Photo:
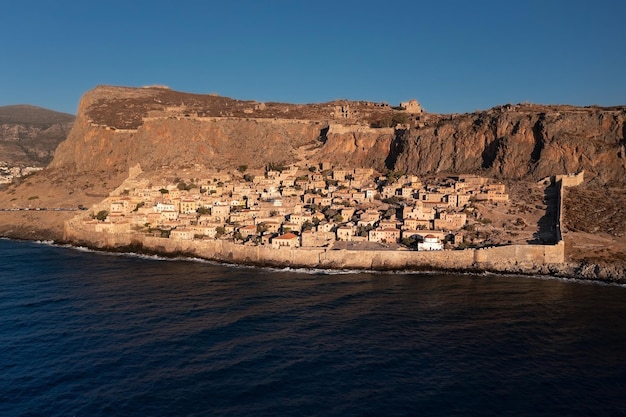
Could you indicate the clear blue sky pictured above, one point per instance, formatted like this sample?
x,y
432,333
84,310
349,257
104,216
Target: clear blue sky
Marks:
x,y
452,56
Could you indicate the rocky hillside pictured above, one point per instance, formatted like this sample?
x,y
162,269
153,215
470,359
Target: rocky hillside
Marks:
x,y
29,135
119,127
524,141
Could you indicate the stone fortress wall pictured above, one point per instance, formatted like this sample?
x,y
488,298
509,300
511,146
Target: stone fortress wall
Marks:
x,y
564,181
513,258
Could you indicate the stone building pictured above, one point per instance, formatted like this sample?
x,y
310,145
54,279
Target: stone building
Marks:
x,y
412,106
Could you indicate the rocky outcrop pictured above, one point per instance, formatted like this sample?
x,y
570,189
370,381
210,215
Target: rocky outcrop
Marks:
x,y
177,138
119,127
218,143
519,142
357,146
29,135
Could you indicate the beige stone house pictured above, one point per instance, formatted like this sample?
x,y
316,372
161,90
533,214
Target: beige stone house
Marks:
x,y
182,234
312,238
220,213
345,233
247,231
384,235
288,240
450,221
188,205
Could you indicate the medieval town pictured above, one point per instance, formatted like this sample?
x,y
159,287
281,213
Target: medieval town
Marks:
x,y
291,207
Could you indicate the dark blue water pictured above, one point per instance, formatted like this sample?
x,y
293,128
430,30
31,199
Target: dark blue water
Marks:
x,y
90,334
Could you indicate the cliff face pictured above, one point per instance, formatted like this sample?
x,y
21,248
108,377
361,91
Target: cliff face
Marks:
x,y
119,127
218,143
529,142
356,146
29,135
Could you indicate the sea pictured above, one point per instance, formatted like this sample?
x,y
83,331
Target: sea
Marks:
x,y
96,334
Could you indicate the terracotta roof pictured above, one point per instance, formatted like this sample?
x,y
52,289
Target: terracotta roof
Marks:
x,y
287,236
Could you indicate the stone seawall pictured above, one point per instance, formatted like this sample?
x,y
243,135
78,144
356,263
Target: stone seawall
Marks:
x,y
513,258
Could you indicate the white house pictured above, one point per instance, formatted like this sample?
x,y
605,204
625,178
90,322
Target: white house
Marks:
x,y
431,242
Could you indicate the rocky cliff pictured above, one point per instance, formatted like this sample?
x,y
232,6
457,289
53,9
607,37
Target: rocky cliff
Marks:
x,y
520,142
29,135
119,127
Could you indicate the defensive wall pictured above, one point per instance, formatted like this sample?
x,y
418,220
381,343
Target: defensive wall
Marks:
x,y
562,182
340,129
267,120
511,258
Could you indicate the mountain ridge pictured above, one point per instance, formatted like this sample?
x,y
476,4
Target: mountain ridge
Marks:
x,y
30,114
29,134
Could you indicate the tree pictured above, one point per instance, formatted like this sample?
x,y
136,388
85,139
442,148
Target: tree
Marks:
x,y
364,230
329,213
274,167
182,186
391,120
389,213
307,225
242,168
392,200
409,242
394,176
248,177
164,191
399,119
101,215
219,231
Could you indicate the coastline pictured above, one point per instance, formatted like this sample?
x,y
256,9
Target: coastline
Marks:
x,y
577,271
546,260
602,272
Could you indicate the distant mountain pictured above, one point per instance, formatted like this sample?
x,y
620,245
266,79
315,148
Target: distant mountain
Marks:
x,y
29,135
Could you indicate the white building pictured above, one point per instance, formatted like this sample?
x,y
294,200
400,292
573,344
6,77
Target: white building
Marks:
x,y
431,242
